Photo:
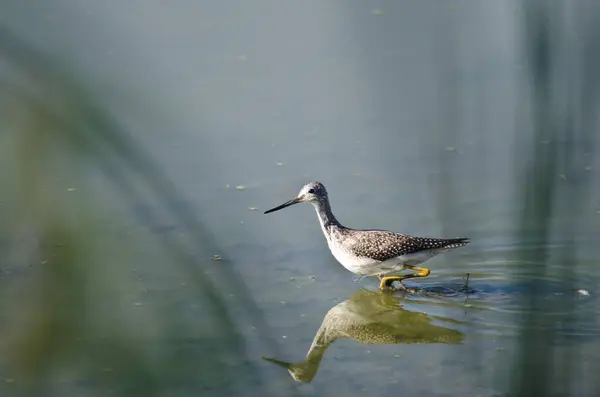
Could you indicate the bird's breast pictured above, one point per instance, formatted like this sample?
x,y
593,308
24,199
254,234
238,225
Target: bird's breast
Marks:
x,y
357,265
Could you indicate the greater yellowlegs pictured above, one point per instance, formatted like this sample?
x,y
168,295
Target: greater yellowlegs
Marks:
x,y
372,252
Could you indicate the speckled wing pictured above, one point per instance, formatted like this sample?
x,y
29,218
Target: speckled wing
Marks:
x,y
382,245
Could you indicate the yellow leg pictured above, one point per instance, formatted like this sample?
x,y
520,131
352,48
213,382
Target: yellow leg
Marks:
x,y
421,271
386,282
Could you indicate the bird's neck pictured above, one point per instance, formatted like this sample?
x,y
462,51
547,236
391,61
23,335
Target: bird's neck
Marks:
x,y
326,217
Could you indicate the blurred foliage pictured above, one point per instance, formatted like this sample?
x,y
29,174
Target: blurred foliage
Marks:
x,y
75,326
562,49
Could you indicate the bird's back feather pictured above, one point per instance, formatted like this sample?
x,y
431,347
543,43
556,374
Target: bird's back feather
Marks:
x,y
383,245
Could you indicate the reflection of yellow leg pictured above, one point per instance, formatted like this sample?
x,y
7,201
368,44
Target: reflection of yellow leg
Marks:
x,y
386,282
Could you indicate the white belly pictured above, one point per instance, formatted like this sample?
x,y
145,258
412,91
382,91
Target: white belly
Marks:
x,y
355,264
370,267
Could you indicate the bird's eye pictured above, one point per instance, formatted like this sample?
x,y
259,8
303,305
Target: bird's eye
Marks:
x,y
311,191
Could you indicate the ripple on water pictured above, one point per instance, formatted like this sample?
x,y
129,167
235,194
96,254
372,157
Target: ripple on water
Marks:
x,y
503,305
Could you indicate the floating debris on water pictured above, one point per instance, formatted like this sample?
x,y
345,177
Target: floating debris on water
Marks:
x,y
217,257
279,164
583,292
252,208
240,187
71,189
588,168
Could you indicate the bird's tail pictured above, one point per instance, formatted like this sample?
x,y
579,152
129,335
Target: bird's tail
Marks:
x,y
456,242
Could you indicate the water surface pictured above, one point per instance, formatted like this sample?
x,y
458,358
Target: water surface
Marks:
x,y
419,118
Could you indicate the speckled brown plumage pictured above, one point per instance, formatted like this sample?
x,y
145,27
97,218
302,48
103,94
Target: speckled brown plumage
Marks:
x,y
382,245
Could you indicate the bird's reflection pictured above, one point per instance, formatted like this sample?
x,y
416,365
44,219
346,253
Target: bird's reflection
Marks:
x,y
369,317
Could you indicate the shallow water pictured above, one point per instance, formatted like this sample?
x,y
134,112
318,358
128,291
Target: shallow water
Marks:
x,y
411,114
488,314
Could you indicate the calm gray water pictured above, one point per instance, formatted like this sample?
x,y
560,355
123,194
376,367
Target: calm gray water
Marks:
x,y
419,117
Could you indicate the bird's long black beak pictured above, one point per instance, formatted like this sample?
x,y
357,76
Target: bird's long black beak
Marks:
x,y
282,206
